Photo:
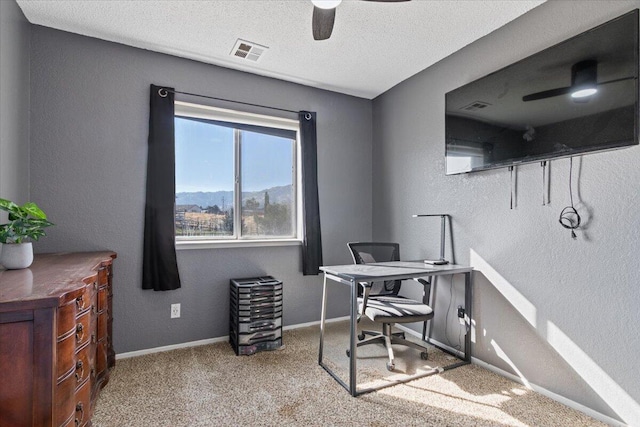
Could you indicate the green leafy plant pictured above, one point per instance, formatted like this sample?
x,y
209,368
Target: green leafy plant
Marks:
x,y
25,222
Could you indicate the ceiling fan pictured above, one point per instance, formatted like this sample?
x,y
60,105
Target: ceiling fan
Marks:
x,y
324,15
584,83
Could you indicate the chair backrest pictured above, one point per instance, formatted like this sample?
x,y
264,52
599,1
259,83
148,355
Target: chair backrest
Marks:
x,y
370,252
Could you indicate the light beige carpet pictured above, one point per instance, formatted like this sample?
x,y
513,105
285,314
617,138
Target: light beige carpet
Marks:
x,y
211,386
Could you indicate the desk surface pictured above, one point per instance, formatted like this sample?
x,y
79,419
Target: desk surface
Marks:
x,y
394,270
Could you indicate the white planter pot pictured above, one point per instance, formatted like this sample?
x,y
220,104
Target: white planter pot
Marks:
x,y
16,255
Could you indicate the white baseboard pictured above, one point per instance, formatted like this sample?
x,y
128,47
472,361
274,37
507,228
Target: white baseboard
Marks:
x,y
170,347
212,340
551,395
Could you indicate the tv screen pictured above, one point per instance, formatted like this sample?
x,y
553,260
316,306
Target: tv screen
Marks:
x,y
576,97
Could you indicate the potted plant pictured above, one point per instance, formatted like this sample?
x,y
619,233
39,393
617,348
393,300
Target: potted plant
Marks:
x,y
26,223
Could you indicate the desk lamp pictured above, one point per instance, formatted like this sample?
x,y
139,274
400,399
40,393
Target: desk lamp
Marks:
x,y
440,261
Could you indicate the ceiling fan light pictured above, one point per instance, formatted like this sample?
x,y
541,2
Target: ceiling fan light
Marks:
x,y
326,4
584,79
584,92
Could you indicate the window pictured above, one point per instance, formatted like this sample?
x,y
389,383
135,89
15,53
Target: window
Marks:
x,y
236,176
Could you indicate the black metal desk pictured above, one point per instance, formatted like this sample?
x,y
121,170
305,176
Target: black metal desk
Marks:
x,y
352,274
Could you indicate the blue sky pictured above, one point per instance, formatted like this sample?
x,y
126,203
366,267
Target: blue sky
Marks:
x,y
204,158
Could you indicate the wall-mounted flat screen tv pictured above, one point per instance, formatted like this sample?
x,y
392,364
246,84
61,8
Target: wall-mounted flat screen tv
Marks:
x,y
576,97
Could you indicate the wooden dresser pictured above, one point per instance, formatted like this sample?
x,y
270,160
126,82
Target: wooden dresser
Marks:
x,y
55,339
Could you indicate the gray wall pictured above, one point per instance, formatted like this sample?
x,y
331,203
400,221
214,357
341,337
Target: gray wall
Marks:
x,y
559,313
556,312
15,35
89,128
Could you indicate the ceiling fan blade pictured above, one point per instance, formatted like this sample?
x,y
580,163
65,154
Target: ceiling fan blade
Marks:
x,y
322,23
616,80
546,94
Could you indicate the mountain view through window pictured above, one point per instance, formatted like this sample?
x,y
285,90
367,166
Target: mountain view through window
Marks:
x,y
233,183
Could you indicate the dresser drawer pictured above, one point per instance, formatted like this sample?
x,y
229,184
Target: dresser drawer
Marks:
x,y
83,406
83,364
94,301
83,302
102,299
83,329
65,399
102,325
66,319
64,354
71,422
103,276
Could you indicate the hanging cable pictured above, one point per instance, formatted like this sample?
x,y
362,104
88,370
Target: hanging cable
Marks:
x,y
511,189
544,182
446,323
569,217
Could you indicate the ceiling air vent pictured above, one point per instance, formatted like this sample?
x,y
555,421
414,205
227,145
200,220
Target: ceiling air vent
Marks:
x,y
248,50
475,106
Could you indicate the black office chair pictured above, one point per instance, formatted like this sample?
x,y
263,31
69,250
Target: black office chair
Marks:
x,y
384,305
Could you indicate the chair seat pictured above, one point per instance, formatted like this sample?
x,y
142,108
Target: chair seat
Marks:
x,y
395,309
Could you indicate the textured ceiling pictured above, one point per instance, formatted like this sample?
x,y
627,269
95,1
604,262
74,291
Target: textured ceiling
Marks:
x,y
374,46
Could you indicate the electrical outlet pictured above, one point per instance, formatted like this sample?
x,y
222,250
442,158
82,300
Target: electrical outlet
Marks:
x,y
461,314
175,311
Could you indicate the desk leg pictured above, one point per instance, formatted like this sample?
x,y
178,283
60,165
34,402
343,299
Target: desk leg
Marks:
x,y
468,304
323,316
352,341
433,280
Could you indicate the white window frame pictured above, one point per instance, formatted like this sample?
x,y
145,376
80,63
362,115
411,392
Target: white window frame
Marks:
x,y
183,109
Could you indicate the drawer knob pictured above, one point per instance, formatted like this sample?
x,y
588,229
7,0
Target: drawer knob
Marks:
x,y
80,302
80,367
79,332
80,408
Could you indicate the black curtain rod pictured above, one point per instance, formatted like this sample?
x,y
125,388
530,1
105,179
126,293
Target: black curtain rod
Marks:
x,y
160,92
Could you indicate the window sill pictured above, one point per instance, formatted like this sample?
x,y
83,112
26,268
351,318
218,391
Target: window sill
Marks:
x,y
219,244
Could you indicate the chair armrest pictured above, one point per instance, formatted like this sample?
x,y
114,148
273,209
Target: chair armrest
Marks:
x,y
426,291
423,282
366,289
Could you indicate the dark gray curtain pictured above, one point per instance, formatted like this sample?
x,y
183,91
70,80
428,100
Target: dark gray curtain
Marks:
x,y
312,241
159,264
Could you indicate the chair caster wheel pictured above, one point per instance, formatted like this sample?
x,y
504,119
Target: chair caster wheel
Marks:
x,y
348,353
424,355
361,336
390,366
